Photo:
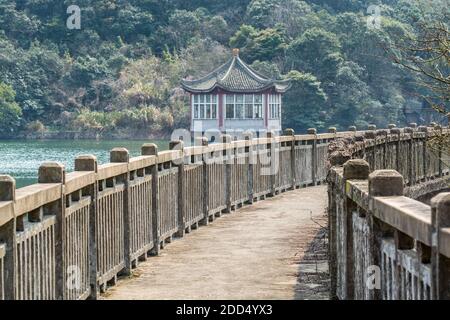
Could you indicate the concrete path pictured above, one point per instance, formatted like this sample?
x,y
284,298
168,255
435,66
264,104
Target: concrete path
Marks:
x,y
274,249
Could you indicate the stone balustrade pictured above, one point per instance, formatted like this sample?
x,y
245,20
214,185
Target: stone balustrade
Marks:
x,y
382,244
70,235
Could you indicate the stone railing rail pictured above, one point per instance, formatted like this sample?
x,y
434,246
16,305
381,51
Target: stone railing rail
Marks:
x,y
71,234
384,245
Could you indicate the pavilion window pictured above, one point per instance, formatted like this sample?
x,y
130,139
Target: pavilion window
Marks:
x,y
243,106
248,99
257,106
230,106
239,106
205,106
275,106
214,107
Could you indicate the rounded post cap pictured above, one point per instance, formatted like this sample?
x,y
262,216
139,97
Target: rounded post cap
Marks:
x,y
441,197
149,149
352,128
408,130
289,132
441,205
7,188
332,130
86,162
369,134
270,134
391,126
413,125
225,138
201,141
119,155
395,131
371,127
52,172
87,157
423,129
176,145
432,124
248,135
312,131
385,183
356,169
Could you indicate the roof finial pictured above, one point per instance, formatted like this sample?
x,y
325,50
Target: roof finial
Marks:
x,y
235,52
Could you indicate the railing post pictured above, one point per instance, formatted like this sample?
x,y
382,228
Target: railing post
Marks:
x,y
89,163
391,127
248,136
384,134
385,183
203,142
8,236
439,129
179,145
440,265
370,134
410,131
273,153
353,169
54,172
424,130
226,139
291,133
397,133
151,149
121,155
313,131
352,129
334,189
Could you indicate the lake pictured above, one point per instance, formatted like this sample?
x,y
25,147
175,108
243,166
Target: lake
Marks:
x,y
22,158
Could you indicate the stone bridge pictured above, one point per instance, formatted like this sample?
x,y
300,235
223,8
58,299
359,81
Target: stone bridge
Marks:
x,y
73,235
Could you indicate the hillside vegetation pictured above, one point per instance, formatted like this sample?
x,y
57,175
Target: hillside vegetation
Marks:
x,y
119,75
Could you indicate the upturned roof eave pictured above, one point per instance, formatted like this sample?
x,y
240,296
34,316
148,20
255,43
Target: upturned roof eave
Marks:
x,y
201,85
218,86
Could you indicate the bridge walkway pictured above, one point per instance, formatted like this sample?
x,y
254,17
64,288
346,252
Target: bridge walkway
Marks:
x,y
274,249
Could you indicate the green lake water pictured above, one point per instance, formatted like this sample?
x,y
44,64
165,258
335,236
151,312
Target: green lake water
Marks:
x,y
21,159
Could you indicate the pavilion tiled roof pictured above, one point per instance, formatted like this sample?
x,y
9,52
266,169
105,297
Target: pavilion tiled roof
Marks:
x,y
234,76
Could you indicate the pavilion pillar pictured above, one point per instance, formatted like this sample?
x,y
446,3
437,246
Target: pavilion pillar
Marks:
x,y
220,111
266,110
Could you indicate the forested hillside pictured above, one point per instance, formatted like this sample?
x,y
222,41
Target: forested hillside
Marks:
x,y
119,74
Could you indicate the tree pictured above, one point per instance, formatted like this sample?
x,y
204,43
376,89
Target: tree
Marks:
x,y
427,55
260,45
261,11
304,103
183,25
311,49
10,112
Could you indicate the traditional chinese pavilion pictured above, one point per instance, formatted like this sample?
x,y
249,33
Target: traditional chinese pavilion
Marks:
x,y
235,97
